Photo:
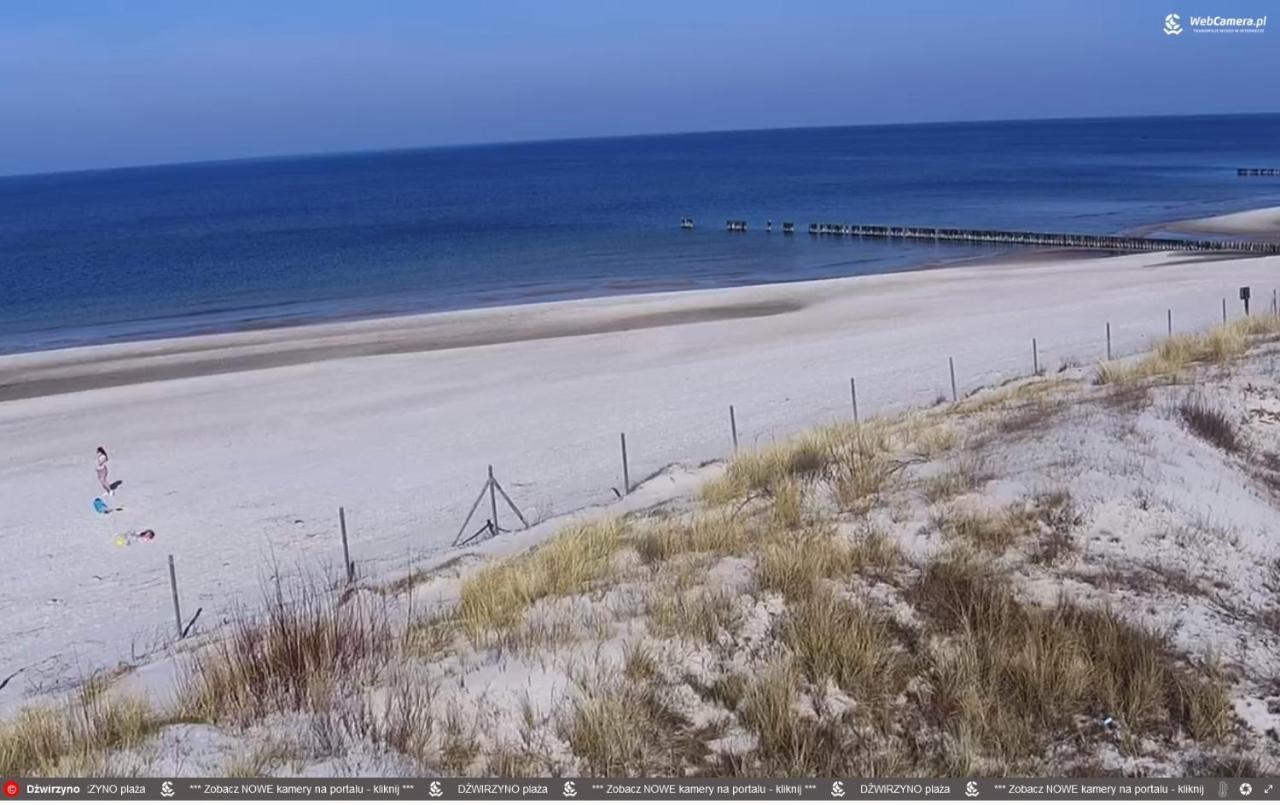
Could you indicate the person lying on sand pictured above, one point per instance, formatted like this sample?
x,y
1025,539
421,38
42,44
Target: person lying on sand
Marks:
x,y
130,537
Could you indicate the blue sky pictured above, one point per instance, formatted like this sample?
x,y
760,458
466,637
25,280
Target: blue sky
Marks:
x,y
97,84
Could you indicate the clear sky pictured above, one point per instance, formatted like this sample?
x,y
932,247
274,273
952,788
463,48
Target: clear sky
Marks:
x,y
97,84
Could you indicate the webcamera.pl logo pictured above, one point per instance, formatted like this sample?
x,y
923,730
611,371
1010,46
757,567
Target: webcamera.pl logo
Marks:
x,y
1214,25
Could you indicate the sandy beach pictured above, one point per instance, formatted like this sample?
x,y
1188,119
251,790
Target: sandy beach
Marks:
x,y
238,449
1260,223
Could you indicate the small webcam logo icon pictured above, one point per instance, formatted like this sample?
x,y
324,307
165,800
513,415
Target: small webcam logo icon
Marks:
x,y
1172,25
11,789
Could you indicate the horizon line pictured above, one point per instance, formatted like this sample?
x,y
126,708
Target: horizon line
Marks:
x,y
302,155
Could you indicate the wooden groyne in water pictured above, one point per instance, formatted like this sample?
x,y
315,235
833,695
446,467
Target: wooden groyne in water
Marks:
x,y
1062,240
1257,171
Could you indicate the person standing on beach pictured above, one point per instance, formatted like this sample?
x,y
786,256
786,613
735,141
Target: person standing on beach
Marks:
x,y
102,471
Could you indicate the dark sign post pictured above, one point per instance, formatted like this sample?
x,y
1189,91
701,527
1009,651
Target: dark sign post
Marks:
x,y
1244,297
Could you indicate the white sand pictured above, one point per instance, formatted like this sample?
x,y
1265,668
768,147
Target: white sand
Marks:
x,y
238,471
1262,222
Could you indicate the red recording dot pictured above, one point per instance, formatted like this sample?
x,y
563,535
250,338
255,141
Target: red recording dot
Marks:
x,y
11,789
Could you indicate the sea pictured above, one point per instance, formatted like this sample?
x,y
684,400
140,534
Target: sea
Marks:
x,y
136,253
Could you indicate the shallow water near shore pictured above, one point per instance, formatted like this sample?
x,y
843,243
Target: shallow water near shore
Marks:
x,y
173,250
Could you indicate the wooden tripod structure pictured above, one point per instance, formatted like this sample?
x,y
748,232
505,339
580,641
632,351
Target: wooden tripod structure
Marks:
x,y
491,488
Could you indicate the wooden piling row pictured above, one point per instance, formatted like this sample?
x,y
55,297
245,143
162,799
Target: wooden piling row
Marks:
x,y
1114,243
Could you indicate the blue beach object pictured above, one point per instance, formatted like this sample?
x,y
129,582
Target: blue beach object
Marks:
x,y
100,506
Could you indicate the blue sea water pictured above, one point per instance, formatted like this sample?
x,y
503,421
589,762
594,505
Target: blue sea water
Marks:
x,y
103,256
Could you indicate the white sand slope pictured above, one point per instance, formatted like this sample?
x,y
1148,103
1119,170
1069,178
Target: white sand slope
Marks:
x,y
241,471
1264,222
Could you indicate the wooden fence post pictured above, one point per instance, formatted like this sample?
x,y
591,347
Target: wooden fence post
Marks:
x,y
173,585
954,396
853,393
1168,317
346,551
626,473
493,500
733,426
1108,340
1035,358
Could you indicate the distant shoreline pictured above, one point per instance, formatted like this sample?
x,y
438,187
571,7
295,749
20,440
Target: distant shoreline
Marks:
x,y
1260,223
377,309
41,373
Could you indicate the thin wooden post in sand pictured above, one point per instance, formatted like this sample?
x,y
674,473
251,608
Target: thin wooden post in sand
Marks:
x,y
1108,340
626,471
493,498
1224,310
1168,318
491,488
1035,358
955,397
346,551
511,503
853,392
733,426
470,513
173,585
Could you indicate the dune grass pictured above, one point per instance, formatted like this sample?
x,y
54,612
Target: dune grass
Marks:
x,y
1013,676
835,639
1010,395
704,615
857,460
1210,423
797,564
494,598
994,532
716,533
760,471
74,739
964,476
768,708
295,657
1175,354
620,728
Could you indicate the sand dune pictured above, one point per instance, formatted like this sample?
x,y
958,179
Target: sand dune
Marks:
x,y
238,449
